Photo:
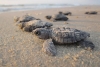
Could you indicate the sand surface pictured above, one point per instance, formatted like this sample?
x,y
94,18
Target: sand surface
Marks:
x,y
20,49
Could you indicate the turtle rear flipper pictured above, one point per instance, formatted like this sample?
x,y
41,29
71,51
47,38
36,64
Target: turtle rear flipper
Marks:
x,y
86,45
49,48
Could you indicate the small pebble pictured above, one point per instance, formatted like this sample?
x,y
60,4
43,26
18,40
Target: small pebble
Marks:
x,y
67,57
82,62
65,23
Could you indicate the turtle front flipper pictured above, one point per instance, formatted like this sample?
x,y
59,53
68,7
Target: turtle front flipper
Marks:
x,y
49,48
16,19
86,45
28,28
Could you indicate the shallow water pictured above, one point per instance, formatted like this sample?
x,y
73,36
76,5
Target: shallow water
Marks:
x,y
7,8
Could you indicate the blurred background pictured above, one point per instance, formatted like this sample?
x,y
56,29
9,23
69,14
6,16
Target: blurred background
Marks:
x,y
19,5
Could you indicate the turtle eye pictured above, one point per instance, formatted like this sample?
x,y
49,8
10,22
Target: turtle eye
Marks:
x,y
37,33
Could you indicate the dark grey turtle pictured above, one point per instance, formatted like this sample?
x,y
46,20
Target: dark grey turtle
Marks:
x,y
67,13
91,12
57,17
31,25
24,18
62,36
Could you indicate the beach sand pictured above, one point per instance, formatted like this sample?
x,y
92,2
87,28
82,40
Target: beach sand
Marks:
x,y
20,49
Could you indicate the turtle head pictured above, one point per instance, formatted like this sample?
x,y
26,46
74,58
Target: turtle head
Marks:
x,y
86,12
48,17
41,33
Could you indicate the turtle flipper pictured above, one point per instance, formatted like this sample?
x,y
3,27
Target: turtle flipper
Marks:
x,y
49,48
16,19
86,45
28,29
20,25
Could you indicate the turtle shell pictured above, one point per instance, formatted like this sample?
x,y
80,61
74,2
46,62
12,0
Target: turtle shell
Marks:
x,y
68,35
57,16
91,12
31,25
38,23
25,18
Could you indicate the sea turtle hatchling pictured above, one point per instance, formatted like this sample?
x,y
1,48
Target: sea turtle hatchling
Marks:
x,y
91,12
57,17
67,13
31,25
24,18
60,36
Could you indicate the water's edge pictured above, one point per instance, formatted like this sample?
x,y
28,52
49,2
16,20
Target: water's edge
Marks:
x,y
10,8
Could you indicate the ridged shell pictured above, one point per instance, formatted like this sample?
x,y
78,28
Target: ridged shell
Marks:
x,y
25,18
68,35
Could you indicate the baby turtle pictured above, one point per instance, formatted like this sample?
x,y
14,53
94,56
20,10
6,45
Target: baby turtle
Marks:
x,y
24,18
57,17
31,25
67,13
91,12
62,36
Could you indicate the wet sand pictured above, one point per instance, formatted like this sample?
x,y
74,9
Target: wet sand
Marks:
x,y
20,49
